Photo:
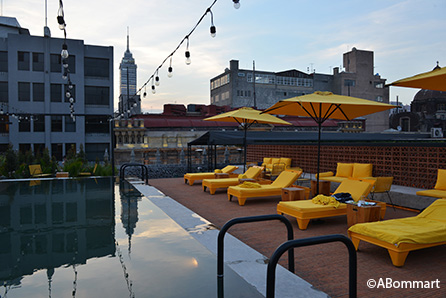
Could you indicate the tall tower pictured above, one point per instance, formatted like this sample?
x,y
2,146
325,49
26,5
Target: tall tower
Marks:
x,y
129,102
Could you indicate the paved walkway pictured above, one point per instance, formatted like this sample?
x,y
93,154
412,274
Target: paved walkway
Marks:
x,y
324,266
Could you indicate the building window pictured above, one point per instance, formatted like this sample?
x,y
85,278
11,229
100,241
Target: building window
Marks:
x,y
56,151
56,93
22,60
441,107
56,123
55,63
70,125
72,63
379,85
95,151
96,124
349,83
24,124
70,148
97,95
379,98
39,123
96,67
4,92
4,124
72,92
3,61
37,61
39,148
38,92
23,148
24,91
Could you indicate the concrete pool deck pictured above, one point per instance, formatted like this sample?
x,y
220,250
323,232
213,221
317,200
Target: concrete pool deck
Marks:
x,y
245,261
325,266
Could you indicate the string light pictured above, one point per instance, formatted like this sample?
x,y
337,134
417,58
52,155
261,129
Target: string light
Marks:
x,y
170,69
153,87
213,31
157,79
187,53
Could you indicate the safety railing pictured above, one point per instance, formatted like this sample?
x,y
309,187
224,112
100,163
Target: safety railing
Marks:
x,y
290,245
144,171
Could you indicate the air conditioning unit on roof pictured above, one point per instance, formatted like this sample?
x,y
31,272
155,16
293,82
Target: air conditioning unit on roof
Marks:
x,y
436,132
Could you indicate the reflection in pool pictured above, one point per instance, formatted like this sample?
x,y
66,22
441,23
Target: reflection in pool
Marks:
x,y
92,238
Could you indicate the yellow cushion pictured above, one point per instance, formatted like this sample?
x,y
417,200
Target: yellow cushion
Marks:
x,y
441,180
218,171
229,169
358,189
362,170
267,160
344,170
286,178
286,161
275,160
435,193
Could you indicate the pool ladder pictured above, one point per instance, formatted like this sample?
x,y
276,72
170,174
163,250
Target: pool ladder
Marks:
x,y
286,246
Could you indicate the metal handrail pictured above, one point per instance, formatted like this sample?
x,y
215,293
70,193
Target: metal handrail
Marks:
x,y
225,228
145,171
271,270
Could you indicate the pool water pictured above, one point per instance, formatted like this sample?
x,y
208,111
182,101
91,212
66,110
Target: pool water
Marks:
x,y
94,238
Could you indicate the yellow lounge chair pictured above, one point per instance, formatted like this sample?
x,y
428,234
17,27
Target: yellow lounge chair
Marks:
x,y
213,184
36,171
285,179
305,210
88,173
402,235
439,190
192,177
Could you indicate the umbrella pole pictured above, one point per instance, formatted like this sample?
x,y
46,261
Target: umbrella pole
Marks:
x,y
244,150
318,155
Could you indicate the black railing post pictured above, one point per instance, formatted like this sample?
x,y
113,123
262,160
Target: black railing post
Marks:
x,y
225,228
271,271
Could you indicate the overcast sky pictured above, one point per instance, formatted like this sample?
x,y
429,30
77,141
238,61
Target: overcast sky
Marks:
x,y
407,37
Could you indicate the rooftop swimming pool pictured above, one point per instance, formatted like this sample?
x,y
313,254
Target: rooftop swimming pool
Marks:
x,y
95,238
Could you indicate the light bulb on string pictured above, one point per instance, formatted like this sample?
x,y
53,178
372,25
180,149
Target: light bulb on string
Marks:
x,y
65,75
145,92
187,53
236,4
64,52
153,87
170,69
157,79
212,29
65,63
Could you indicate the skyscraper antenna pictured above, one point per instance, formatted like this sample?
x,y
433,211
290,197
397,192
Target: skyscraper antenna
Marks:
x,y
128,47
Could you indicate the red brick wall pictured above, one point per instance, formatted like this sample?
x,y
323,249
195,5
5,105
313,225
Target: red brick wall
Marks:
x,y
410,166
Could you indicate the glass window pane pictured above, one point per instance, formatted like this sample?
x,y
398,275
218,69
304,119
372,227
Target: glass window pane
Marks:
x,y
56,92
4,92
38,92
37,61
22,60
56,123
96,67
24,91
55,63
97,95
3,61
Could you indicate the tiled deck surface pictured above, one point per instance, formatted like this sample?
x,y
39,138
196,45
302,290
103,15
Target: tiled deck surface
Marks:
x,y
324,266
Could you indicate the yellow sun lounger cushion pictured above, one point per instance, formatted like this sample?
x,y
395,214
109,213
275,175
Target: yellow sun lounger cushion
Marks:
x,y
402,235
306,210
192,177
439,190
285,179
213,184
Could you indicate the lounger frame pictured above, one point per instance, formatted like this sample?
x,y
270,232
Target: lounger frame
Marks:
x,y
398,254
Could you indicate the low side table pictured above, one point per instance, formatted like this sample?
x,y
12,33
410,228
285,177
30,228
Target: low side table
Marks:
x,y
324,187
362,214
293,194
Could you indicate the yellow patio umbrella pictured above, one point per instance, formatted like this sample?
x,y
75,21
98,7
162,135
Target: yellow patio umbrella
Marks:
x,y
321,106
431,80
246,117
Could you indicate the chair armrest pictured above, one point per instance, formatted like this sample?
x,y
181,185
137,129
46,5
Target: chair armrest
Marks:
x,y
325,174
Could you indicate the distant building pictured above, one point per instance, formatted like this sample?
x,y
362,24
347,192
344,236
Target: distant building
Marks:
x,y
34,109
427,113
237,87
129,102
